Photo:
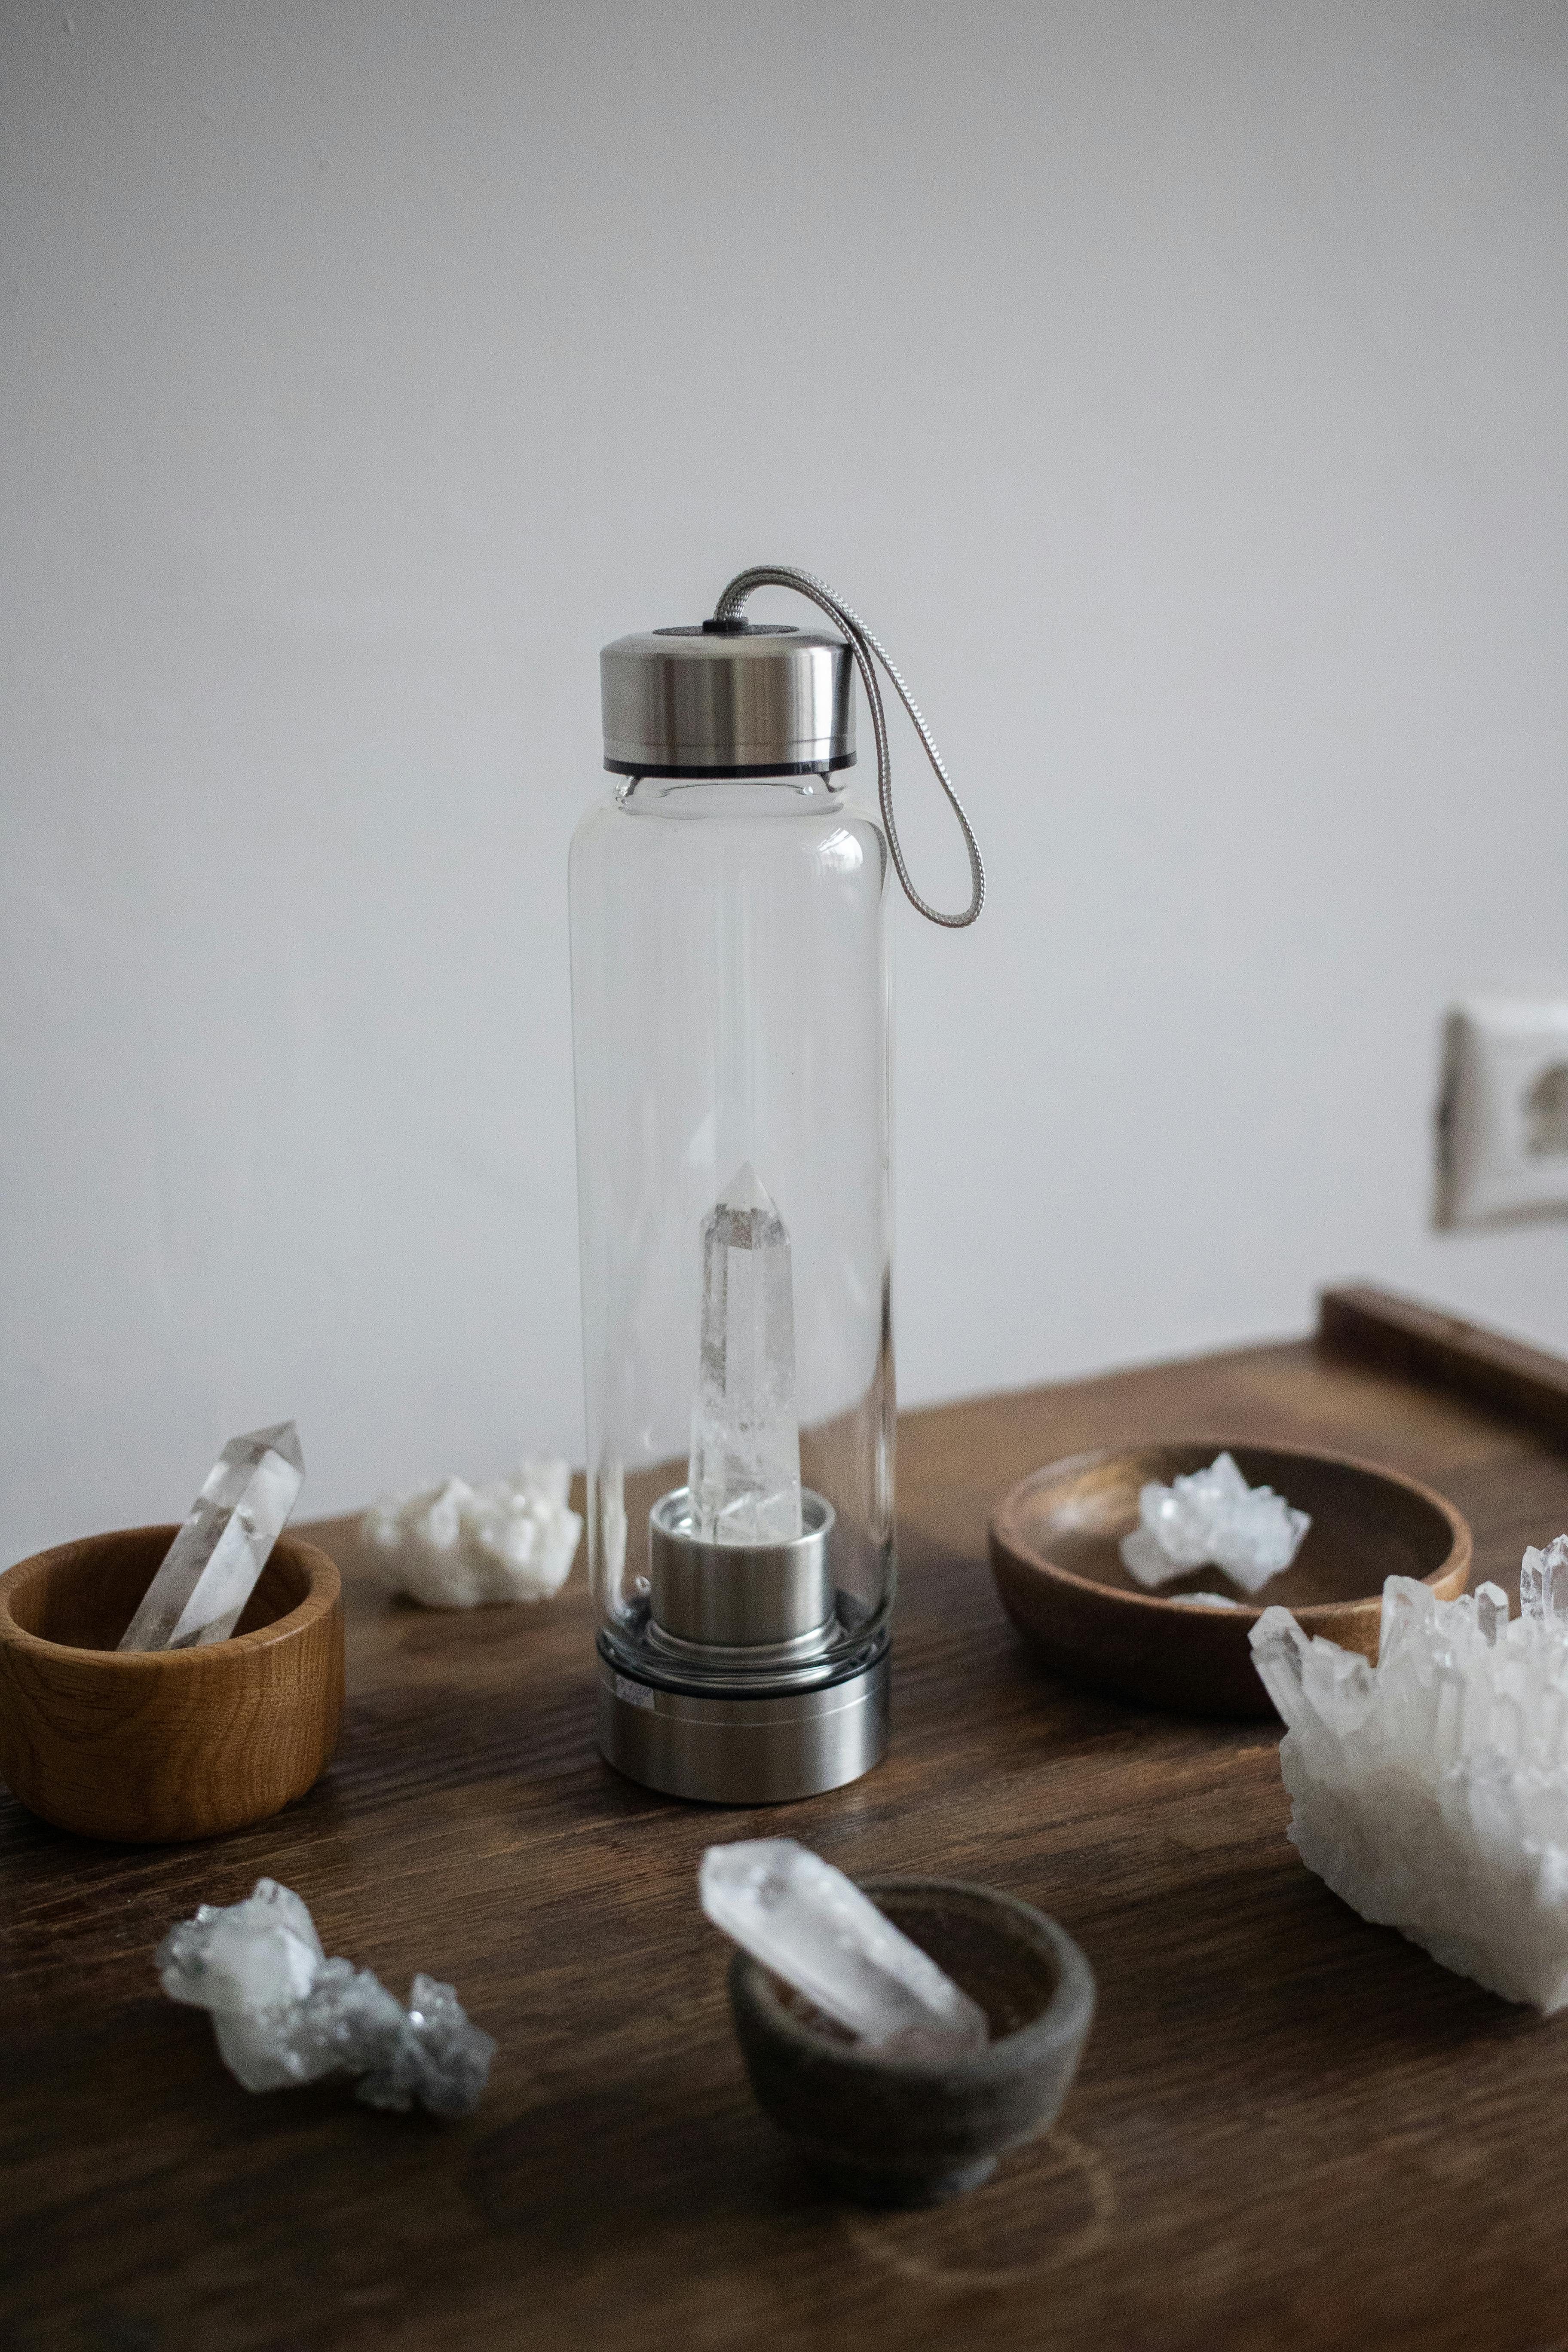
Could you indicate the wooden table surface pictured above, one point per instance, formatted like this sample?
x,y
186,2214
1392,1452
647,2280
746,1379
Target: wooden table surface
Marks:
x,y
1290,2129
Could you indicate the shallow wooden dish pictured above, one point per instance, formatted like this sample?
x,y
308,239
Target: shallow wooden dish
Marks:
x,y
152,1747
1054,1552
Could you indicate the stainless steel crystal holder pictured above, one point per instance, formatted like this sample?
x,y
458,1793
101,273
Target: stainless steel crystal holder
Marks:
x,y
772,1602
731,1691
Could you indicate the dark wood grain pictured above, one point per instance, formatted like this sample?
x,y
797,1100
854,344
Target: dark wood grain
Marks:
x,y
1377,1327
1290,2130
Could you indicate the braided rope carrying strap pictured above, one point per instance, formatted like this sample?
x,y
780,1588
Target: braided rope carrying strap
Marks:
x,y
867,652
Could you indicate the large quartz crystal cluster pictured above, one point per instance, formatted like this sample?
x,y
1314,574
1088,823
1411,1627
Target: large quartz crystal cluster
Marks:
x,y
744,1476
1213,1518
284,2013
456,1545
215,1563
1431,1790
812,1926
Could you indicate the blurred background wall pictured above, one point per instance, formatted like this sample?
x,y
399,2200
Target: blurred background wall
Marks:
x,y
1179,390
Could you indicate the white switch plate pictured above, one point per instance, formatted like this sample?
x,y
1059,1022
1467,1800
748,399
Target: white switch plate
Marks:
x,y
1502,1123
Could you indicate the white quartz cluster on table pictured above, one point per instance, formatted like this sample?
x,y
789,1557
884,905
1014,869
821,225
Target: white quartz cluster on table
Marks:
x,y
456,1545
814,1927
1213,1518
284,2013
1431,1790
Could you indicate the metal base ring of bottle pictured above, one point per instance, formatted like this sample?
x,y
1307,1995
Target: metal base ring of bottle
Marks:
x,y
734,1749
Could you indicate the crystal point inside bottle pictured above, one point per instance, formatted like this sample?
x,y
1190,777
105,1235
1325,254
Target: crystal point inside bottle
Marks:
x,y
744,1475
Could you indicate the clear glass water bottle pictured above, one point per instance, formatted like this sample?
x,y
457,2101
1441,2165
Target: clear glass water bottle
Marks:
x,y
731,1030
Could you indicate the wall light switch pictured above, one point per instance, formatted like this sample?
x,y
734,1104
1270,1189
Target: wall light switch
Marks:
x,y
1502,1122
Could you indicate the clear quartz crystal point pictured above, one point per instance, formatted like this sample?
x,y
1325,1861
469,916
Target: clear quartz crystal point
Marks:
x,y
211,1569
1544,1581
1491,1612
812,1926
744,1475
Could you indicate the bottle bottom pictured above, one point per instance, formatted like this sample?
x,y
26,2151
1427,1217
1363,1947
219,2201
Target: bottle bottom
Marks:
x,y
739,1747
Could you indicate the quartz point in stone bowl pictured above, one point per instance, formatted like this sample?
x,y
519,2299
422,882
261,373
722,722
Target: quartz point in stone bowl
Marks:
x,y
1213,1518
812,1926
283,2013
1431,1790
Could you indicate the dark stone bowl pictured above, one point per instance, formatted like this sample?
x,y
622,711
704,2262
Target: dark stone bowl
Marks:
x,y
888,2131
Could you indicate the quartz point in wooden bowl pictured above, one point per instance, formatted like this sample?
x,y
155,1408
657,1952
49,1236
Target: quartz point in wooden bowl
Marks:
x,y
1430,1790
216,1561
151,1747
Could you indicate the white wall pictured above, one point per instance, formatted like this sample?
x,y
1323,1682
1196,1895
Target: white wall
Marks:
x,y
1181,391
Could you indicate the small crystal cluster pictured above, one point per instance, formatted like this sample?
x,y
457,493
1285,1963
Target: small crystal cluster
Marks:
x,y
1431,1790
1213,1518
457,1544
284,2013
814,1927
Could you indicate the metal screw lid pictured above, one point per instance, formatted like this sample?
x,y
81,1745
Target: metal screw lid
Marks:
x,y
727,698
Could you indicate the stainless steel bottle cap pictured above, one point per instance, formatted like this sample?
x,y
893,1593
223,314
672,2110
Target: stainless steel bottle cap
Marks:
x,y
727,699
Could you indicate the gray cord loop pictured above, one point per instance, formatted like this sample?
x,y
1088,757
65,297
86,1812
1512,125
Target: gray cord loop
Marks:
x,y
868,653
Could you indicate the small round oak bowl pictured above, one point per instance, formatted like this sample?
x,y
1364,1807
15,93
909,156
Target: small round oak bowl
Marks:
x,y
894,2132
1056,1553
159,1746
